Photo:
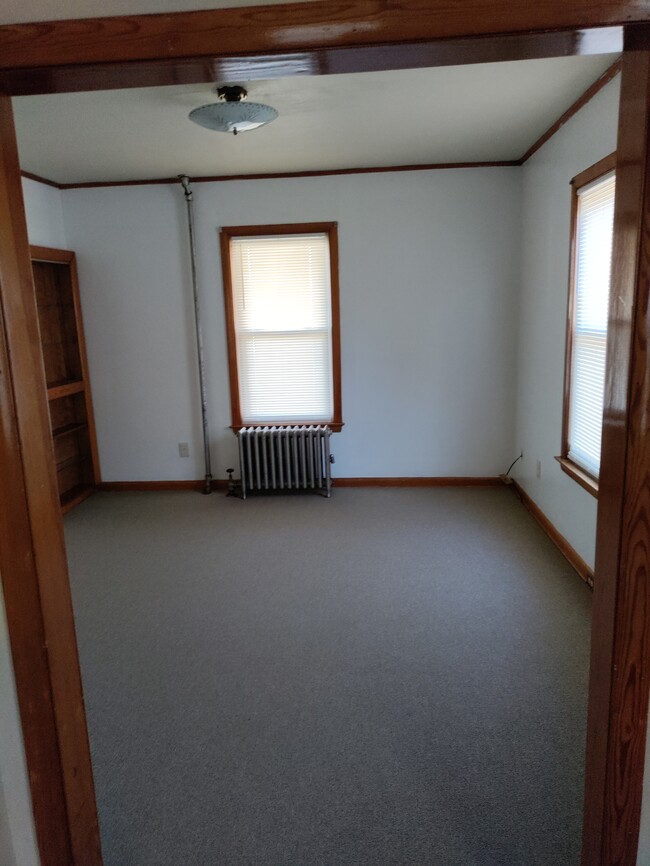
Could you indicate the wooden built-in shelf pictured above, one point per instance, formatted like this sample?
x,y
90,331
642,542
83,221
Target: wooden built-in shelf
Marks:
x,y
74,496
65,389
66,374
68,428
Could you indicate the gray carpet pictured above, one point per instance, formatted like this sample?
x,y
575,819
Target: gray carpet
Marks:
x,y
390,677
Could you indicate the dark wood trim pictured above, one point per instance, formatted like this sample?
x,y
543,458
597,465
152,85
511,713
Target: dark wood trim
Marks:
x,y
222,483
32,555
599,169
68,257
334,426
247,66
231,336
64,390
125,486
588,95
281,175
76,500
301,37
40,179
620,649
50,254
83,356
279,229
421,481
69,78
337,420
331,230
567,551
570,317
583,478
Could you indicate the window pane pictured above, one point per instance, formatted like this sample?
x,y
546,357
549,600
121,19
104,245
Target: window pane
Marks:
x,y
281,377
282,306
594,232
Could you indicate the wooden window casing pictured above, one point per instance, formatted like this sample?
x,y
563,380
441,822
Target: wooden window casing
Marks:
x,y
227,234
580,474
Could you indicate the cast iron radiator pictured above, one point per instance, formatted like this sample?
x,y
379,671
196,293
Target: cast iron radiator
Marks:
x,y
285,458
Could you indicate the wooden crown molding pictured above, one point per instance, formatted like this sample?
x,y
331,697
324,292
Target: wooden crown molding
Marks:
x,y
333,172
586,97
39,179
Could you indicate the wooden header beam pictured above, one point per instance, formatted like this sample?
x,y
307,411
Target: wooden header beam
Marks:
x,y
314,38
297,27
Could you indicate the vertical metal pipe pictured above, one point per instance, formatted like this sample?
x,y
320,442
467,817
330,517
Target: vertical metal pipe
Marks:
x,y
185,183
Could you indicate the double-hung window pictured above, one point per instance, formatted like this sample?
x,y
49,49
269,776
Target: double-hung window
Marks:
x,y
282,310
591,254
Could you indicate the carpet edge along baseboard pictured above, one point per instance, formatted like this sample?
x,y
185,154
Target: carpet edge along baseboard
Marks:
x,y
569,552
221,483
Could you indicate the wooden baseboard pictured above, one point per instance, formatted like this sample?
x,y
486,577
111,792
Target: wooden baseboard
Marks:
x,y
222,483
420,481
217,484
570,554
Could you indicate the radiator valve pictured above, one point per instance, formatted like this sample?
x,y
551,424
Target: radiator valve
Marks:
x,y
232,487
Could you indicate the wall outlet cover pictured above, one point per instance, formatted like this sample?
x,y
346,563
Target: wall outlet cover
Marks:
x,y
183,449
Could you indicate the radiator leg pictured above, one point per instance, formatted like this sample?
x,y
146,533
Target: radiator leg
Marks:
x,y
328,466
242,466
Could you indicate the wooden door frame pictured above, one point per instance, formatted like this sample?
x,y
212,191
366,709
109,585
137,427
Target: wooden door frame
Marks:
x,y
317,38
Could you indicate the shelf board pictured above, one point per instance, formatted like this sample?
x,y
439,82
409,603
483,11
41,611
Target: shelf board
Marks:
x,y
75,495
69,428
79,457
65,390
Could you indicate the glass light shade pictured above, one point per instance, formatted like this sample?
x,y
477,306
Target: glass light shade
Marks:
x,y
233,116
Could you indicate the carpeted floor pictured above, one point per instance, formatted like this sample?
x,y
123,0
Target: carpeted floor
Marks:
x,y
389,677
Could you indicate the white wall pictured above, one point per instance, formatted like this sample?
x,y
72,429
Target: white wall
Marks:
x,y
587,137
428,317
17,835
44,210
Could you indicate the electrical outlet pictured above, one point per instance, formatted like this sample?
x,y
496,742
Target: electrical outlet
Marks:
x,y
538,469
183,449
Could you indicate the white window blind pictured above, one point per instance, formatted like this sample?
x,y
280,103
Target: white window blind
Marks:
x,y
283,325
594,231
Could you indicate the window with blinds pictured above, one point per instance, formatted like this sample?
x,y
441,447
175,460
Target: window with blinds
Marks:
x,y
280,307
589,303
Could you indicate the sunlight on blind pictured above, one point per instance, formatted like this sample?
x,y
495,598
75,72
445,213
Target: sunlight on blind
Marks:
x,y
593,253
283,323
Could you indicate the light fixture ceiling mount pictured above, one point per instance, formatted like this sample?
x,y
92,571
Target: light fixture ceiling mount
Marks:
x,y
233,113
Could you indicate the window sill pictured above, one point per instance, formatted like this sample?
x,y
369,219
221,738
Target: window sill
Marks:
x,y
574,471
335,426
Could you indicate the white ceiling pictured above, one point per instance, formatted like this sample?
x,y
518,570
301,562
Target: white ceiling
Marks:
x,y
16,11
471,113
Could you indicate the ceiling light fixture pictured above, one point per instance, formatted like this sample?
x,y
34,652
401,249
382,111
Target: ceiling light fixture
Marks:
x,y
233,113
